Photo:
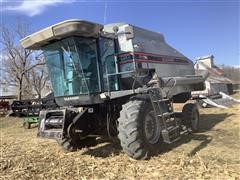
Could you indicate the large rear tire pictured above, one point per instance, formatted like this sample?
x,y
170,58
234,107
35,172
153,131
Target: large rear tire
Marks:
x,y
139,131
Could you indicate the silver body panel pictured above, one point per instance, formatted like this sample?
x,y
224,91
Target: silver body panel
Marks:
x,y
131,39
150,42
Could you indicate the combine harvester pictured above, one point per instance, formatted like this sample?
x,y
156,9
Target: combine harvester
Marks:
x,y
116,79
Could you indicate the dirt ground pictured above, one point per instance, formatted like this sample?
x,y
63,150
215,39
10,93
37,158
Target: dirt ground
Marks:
x,y
213,153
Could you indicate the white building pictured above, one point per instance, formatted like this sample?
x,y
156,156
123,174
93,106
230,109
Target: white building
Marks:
x,y
7,89
216,81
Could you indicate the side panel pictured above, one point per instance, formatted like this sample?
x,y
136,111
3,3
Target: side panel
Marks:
x,y
170,69
172,62
151,43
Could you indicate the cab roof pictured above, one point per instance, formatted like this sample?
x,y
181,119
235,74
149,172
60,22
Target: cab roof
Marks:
x,y
59,31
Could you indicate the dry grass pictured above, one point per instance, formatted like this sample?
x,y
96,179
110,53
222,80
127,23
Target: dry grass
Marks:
x,y
236,95
212,153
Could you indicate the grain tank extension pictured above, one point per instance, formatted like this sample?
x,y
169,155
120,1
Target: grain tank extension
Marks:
x,y
116,79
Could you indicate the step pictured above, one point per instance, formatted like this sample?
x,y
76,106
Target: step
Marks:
x,y
170,122
171,134
161,100
166,114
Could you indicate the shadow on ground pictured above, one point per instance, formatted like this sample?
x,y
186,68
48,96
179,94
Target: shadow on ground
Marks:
x,y
107,148
208,121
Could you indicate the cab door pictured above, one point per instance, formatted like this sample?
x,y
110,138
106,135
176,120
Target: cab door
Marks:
x,y
109,65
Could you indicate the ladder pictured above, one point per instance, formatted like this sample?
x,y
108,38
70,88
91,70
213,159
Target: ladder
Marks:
x,y
163,109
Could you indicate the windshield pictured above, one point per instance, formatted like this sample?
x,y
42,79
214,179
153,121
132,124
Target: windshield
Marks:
x,y
73,66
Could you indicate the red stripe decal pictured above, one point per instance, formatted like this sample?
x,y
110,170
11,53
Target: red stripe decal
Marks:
x,y
161,59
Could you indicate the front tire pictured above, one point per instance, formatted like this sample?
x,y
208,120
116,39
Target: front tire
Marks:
x,y
139,131
67,144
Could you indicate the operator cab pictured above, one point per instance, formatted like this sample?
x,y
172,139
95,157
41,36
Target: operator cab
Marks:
x,y
79,60
75,65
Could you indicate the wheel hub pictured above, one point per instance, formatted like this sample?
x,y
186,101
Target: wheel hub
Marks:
x,y
71,130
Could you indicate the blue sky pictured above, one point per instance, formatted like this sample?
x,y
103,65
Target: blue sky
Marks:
x,y
195,28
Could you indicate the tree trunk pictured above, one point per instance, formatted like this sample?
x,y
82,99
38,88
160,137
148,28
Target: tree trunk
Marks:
x,y
20,90
39,95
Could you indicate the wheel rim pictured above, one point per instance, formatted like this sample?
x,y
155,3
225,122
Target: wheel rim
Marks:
x,y
194,119
151,128
71,131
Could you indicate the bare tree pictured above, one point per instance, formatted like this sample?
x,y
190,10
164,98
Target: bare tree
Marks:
x,y
38,79
231,72
17,61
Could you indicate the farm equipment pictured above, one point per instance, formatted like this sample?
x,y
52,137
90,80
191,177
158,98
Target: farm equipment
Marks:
x,y
116,79
32,107
4,105
28,121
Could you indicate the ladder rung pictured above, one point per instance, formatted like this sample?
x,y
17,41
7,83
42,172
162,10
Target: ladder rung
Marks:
x,y
170,142
171,134
166,114
172,128
162,100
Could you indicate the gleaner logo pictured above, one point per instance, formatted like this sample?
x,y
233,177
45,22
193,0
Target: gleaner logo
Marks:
x,y
71,98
